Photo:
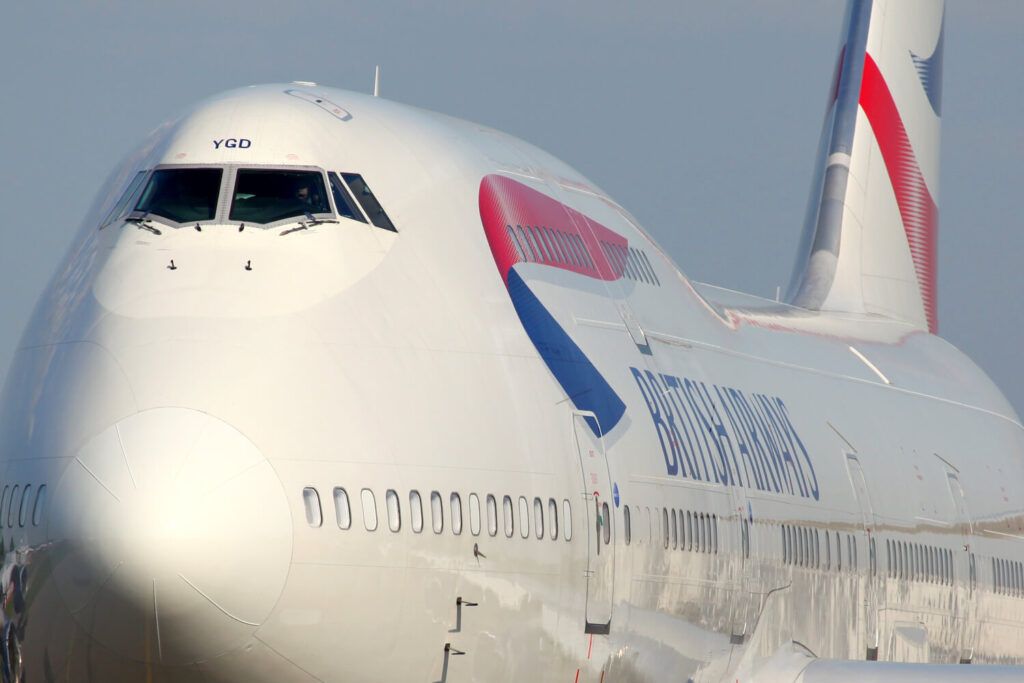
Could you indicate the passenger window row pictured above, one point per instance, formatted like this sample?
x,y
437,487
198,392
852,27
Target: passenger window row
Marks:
x,y
631,262
1008,577
21,505
802,546
540,244
919,562
546,520
679,530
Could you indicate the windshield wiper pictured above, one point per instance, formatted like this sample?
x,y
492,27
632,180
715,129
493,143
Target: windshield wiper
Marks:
x,y
310,221
313,220
141,223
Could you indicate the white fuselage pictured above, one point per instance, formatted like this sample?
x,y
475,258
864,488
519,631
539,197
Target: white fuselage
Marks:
x,y
233,427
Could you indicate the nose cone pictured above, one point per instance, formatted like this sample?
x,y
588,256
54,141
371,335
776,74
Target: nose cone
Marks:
x,y
172,537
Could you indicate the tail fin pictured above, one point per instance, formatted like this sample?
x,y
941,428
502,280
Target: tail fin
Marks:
x,y
870,236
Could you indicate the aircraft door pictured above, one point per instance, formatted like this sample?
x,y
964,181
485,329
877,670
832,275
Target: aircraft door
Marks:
x,y
871,577
964,570
598,506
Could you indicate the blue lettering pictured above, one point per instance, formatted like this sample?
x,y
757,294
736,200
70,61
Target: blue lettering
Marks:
x,y
796,437
780,453
659,424
687,418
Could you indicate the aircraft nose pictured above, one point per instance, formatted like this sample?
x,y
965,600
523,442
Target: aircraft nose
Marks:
x,y
172,537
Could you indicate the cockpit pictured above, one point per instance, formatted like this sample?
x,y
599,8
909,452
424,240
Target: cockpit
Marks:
x,y
261,197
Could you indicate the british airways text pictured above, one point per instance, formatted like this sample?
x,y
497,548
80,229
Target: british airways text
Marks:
x,y
719,434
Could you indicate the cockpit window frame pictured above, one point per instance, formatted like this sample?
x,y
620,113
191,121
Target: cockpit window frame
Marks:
x,y
228,200
129,197
134,190
136,215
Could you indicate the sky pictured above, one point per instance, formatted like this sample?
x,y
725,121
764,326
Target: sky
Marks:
x,y
701,118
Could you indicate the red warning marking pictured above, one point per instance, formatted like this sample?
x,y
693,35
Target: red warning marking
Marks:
x,y
591,646
577,676
602,677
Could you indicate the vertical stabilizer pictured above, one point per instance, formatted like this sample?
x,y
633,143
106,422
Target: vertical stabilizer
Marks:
x,y
870,238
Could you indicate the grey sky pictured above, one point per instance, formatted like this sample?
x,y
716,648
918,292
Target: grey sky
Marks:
x,y
702,118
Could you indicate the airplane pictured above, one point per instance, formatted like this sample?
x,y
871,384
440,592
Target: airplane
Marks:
x,y
332,388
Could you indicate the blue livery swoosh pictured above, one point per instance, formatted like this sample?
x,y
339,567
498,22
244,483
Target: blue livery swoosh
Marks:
x,y
580,380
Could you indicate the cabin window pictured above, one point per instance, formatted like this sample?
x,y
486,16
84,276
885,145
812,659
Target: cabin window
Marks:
x,y
182,195
650,269
415,511
566,248
506,507
342,511
664,526
515,242
26,501
264,196
745,538
538,517
436,512
524,517
552,519
541,247
606,523
675,543
532,255
455,509
567,519
311,503
625,523
474,514
368,201
369,509
37,509
583,251
553,246
3,502
492,515
394,513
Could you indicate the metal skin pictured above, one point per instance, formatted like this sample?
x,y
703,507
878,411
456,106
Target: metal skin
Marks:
x,y
805,491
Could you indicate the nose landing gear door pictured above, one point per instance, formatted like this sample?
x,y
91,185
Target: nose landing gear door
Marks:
x,y
598,506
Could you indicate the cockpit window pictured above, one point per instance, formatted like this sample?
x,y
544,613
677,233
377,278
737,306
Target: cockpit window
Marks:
x,y
131,193
183,195
267,196
361,191
343,200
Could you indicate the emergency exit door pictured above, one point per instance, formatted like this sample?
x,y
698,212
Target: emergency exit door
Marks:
x,y
598,506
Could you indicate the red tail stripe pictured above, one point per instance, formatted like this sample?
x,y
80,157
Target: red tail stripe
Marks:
x,y
917,208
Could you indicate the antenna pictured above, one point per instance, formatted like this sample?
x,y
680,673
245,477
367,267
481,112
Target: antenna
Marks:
x,y
376,81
